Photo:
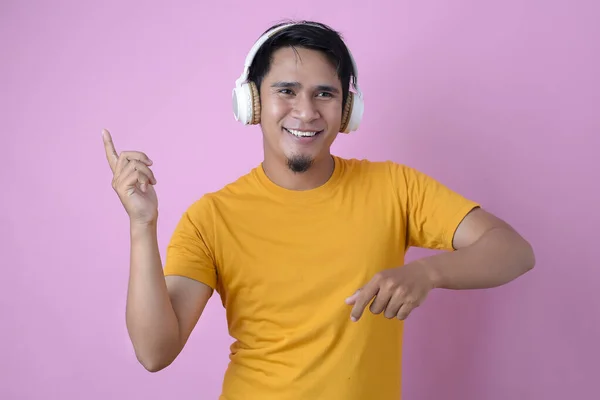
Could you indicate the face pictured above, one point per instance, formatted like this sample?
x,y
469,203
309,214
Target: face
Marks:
x,y
301,107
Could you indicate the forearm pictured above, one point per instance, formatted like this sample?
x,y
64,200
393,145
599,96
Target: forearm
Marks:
x,y
498,257
151,320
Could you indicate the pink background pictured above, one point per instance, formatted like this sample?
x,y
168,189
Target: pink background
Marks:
x,y
499,100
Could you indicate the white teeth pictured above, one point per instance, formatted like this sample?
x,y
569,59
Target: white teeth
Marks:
x,y
301,133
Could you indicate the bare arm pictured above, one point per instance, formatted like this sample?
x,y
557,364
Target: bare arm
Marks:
x,y
489,253
161,313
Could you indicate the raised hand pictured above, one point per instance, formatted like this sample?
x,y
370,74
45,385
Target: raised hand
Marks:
x,y
133,181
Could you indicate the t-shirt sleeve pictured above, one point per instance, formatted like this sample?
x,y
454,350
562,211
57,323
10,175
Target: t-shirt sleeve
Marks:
x,y
190,250
433,210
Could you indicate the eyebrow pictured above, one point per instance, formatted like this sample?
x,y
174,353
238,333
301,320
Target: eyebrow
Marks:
x,y
324,88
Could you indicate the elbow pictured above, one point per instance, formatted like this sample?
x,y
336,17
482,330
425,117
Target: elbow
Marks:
x,y
527,256
157,359
153,365
155,353
153,368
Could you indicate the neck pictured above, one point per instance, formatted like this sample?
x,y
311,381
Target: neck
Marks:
x,y
317,175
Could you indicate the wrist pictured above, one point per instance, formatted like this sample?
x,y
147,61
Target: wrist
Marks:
x,y
142,228
432,271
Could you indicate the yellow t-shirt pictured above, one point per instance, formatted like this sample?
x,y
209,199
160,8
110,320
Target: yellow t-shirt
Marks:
x,y
284,261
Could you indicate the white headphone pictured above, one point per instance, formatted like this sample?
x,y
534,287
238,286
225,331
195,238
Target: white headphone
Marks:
x,y
246,100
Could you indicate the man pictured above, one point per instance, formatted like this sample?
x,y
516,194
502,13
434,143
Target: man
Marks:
x,y
307,250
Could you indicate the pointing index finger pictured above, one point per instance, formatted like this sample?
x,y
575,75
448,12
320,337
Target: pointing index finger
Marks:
x,y
109,147
365,295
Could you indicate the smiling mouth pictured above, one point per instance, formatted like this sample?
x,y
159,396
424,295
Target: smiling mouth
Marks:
x,y
302,134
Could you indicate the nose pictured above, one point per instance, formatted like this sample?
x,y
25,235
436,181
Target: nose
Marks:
x,y
305,109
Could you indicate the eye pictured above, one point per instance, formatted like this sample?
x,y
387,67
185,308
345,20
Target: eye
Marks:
x,y
325,94
286,91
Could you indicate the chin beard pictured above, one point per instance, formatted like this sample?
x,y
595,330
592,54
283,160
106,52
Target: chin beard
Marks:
x,y
299,163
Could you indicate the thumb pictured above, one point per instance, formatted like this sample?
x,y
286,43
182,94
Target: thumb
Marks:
x,y
350,300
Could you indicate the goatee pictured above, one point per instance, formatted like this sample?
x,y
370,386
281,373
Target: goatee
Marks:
x,y
299,163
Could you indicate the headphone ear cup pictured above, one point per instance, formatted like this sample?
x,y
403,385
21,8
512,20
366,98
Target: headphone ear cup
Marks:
x,y
255,103
353,113
242,104
246,104
347,113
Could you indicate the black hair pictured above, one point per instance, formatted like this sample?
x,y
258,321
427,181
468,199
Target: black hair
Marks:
x,y
305,35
